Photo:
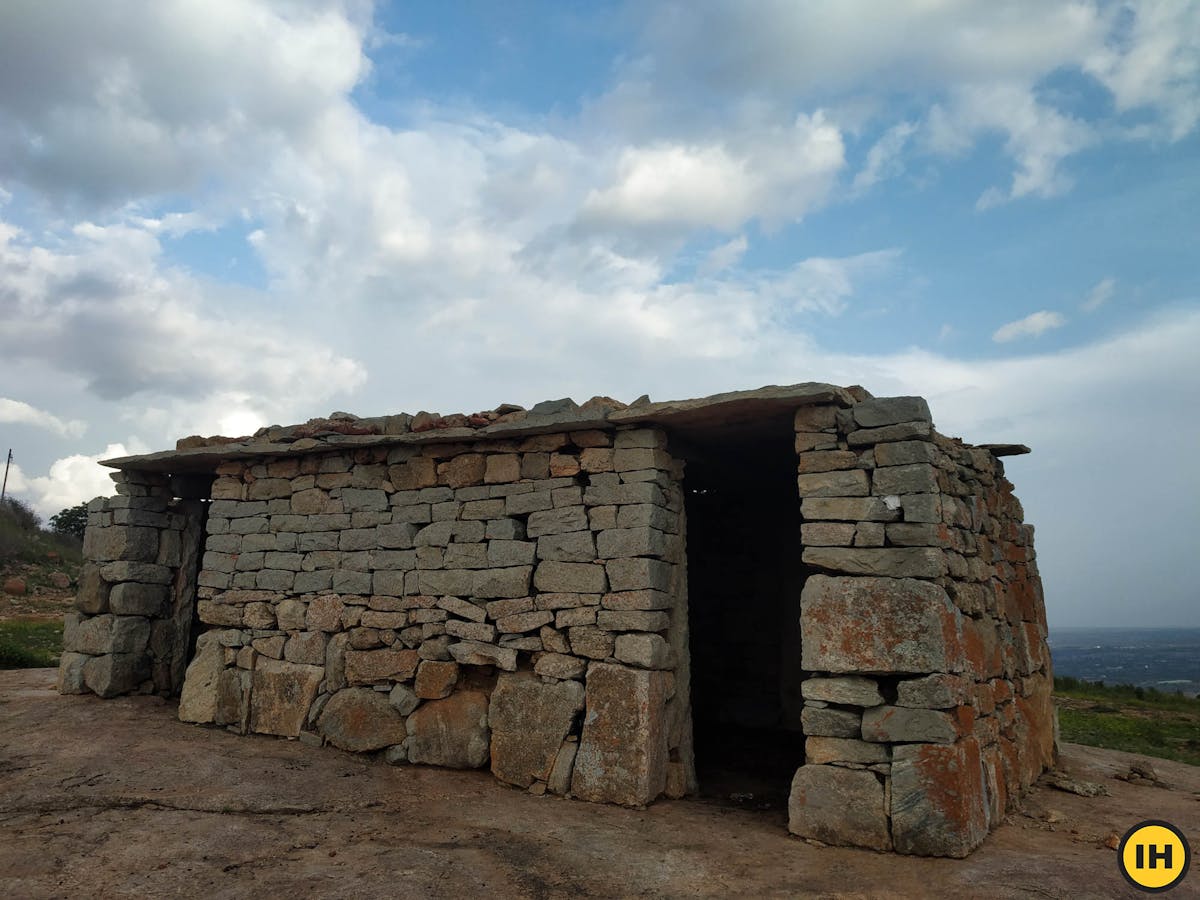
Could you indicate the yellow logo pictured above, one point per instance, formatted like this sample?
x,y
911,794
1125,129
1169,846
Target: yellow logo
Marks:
x,y
1154,856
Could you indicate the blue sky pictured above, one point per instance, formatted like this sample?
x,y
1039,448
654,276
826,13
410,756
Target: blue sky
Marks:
x,y
218,215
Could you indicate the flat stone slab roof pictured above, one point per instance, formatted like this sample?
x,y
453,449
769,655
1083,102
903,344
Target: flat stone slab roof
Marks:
x,y
346,431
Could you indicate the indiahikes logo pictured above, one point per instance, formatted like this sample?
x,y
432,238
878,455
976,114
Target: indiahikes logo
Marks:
x,y
1154,856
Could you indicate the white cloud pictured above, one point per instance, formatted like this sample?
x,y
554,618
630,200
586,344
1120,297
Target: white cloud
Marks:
x,y
1033,325
972,67
17,411
723,256
817,48
777,176
102,305
70,480
1100,294
122,99
1157,64
1037,136
883,159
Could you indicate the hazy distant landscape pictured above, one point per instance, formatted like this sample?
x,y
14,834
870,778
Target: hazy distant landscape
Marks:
x,y
1167,659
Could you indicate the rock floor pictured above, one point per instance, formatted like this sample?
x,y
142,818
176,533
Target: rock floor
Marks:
x,y
117,798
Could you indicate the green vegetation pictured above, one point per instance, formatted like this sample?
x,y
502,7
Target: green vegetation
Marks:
x,y
1124,717
22,539
70,522
30,643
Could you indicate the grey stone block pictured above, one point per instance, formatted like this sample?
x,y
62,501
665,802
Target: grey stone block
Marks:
x,y
839,806
639,574
570,577
134,599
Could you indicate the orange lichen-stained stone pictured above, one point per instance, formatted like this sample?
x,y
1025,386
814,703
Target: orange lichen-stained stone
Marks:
x,y
622,754
939,804
865,625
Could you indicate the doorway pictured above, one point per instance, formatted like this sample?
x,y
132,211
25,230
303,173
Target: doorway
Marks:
x,y
744,583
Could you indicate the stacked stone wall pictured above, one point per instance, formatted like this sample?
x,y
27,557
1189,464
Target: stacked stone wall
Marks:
x,y
134,600
521,603
927,703
512,602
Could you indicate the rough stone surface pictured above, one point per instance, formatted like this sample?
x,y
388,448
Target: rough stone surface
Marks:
x,y
622,755
360,719
70,673
892,562
198,701
829,722
891,411
529,720
878,625
889,724
404,698
133,599
436,679
452,732
114,674
848,689
91,596
839,806
819,750
280,695
559,781
939,691
474,653
939,807
647,651
371,666
560,665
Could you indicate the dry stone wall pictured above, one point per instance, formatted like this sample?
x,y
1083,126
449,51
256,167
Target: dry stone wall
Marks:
x,y
136,591
508,602
510,590
927,702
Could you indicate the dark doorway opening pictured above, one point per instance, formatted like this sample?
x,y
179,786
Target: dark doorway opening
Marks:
x,y
192,498
744,583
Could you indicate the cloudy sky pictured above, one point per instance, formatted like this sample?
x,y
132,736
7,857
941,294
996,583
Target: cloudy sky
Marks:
x,y
220,214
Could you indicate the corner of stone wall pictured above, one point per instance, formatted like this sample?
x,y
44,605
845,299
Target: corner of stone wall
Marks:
x,y
133,611
923,633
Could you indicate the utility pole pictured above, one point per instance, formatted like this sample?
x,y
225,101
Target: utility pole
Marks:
x,y
7,463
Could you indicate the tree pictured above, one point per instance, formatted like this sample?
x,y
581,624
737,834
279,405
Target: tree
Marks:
x,y
70,521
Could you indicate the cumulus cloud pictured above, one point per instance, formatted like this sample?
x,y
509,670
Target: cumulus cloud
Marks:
x,y
1033,325
977,68
1100,294
19,412
777,177
103,306
1155,65
103,109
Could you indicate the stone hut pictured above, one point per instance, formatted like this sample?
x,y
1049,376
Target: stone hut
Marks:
x,y
803,585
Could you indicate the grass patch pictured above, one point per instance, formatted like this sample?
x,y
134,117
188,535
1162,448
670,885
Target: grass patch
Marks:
x,y
1125,695
1124,717
30,643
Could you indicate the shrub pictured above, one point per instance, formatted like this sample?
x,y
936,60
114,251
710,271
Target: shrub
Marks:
x,y
20,514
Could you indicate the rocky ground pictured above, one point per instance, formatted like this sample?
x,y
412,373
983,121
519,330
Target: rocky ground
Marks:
x,y
110,798
36,590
